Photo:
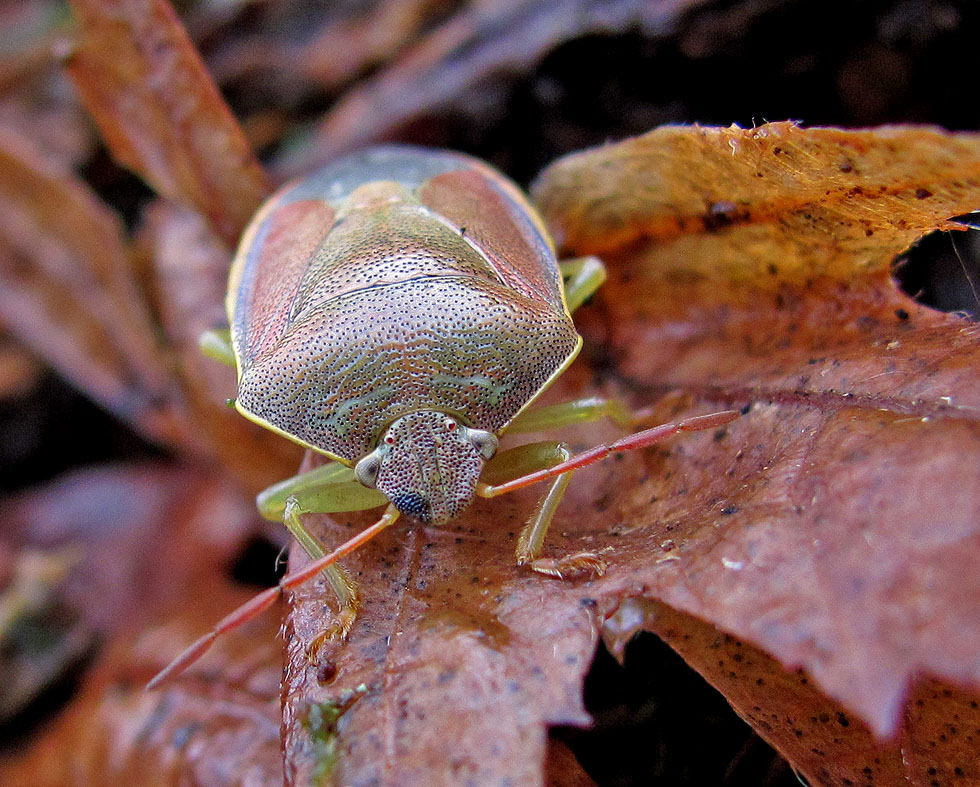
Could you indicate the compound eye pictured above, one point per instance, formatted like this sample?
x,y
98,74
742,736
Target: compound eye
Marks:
x,y
450,424
389,439
366,471
485,442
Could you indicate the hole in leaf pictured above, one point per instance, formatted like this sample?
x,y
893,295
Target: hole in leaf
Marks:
x,y
658,722
943,270
260,563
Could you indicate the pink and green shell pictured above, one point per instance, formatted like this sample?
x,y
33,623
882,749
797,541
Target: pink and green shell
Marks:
x,y
392,281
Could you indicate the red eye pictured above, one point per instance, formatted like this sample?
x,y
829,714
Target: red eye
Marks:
x,y
450,425
389,439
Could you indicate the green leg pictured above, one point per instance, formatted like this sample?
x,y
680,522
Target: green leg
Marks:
x,y
344,588
539,419
326,489
217,346
526,459
518,462
583,276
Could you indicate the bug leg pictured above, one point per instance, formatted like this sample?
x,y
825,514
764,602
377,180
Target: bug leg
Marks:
x,y
267,598
216,345
344,588
329,488
518,462
532,537
551,465
531,540
539,419
583,276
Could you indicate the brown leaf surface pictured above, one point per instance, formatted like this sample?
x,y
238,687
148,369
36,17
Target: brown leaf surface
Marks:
x,y
143,545
67,291
159,111
463,663
835,526
826,741
845,539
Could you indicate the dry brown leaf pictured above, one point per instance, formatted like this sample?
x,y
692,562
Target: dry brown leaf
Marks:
x,y
853,553
763,208
83,547
463,663
148,544
138,533
19,369
68,293
563,769
823,738
35,98
219,728
351,44
834,526
160,113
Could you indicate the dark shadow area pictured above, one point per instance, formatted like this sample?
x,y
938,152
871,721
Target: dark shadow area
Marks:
x,y
658,722
260,563
943,271
53,429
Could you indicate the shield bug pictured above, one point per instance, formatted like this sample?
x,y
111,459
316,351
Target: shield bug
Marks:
x,y
398,311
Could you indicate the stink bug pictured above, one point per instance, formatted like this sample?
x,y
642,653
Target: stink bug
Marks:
x,y
397,311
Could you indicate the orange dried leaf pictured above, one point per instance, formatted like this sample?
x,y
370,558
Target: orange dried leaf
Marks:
x,y
761,208
160,112
835,526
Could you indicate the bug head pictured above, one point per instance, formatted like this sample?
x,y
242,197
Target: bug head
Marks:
x,y
427,464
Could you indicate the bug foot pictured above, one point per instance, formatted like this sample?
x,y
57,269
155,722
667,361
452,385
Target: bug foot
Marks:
x,y
580,565
336,632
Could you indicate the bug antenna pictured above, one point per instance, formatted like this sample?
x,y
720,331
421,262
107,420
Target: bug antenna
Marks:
x,y
629,443
251,609
257,605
